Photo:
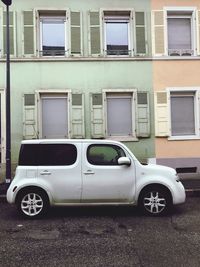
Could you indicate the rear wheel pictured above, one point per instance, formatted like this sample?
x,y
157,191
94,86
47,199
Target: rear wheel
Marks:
x,y
155,200
32,203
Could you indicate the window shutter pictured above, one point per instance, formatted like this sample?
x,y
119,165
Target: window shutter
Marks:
x,y
12,33
140,32
77,116
143,115
29,117
161,114
76,40
94,36
198,32
97,117
28,33
158,33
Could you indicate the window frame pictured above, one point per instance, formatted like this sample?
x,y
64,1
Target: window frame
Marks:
x,y
193,28
131,31
103,145
39,32
52,92
133,93
184,90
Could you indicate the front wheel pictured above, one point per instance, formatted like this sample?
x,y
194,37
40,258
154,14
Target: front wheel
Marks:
x,y
32,203
155,201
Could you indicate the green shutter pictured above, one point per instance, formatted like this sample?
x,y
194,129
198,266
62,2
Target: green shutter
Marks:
x,y
158,32
29,117
77,116
161,114
143,115
140,32
28,33
76,48
95,39
97,117
12,33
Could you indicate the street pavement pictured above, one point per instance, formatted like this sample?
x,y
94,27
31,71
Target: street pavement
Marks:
x,y
101,237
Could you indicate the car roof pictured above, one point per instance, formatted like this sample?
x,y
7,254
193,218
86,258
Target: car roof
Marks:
x,y
71,141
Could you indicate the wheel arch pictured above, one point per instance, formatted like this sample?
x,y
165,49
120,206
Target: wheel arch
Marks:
x,y
32,187
153,185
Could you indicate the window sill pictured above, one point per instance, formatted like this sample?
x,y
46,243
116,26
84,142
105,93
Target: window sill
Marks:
x,y
123,138
183,138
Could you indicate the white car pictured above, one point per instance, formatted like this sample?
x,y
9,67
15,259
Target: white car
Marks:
x,y
89,172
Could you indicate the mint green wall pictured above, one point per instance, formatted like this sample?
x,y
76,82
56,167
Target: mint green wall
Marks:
x,y
78,76
87,76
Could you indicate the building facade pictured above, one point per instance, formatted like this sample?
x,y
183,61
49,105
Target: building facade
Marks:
x,y
176,82
79,69
126,70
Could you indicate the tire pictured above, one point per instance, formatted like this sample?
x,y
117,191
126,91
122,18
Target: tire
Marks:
x,y
32,203
155,201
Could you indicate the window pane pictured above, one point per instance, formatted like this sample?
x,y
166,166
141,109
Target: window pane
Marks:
x,y
47,155
53,36
57,154
117,38
104,155
119,116
182,115
179,33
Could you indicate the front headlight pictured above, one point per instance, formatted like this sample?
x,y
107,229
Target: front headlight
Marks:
x,y
177,177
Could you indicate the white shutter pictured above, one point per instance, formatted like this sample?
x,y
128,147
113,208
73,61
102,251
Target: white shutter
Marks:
x,y
161,114
97,117
158,35
198,31
29,117
77,116
143,115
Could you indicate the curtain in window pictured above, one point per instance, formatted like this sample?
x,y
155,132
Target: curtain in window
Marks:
x,y
182,115
119,116
179,33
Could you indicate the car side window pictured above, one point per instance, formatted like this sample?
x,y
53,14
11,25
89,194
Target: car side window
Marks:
x,y
104,154
47,155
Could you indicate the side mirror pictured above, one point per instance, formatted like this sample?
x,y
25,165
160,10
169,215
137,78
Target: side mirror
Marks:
x,y
124,161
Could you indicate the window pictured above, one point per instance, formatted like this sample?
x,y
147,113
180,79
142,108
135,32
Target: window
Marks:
x,y
182,113
177,113
117,35
175,31
53,34
104,154
47,155
120,108
55,115
120,114
180,26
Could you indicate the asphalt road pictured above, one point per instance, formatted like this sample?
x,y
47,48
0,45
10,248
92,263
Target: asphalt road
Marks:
x,y
105,237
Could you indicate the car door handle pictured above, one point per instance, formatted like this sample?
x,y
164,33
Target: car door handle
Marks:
x,y
88,172
45,172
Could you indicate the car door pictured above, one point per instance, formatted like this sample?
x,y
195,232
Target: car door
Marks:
x,y
104,180
60,171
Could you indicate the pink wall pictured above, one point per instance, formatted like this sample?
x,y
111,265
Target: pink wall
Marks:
x,y
159,4
176,73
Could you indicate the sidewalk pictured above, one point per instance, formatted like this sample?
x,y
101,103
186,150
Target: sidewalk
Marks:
x,y
192,187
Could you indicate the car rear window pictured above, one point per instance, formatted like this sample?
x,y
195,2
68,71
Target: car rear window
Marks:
x,y
47,154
